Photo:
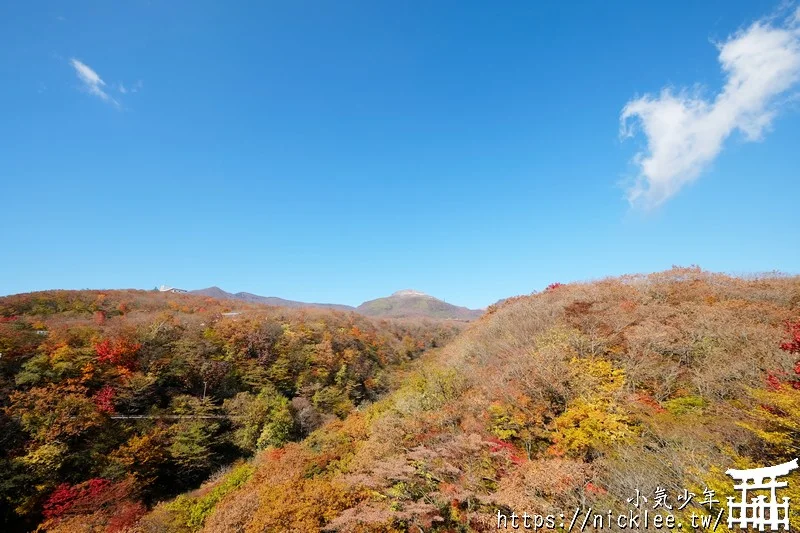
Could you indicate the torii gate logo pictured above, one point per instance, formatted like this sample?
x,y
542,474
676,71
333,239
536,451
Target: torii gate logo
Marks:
x,y
759,512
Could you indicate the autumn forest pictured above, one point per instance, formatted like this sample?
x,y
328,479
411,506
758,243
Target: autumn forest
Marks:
x,y
139,411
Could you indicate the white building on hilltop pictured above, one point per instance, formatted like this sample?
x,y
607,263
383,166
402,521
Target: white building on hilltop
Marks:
x,y
164,288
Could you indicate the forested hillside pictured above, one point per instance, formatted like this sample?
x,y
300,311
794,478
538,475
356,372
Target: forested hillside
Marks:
x,y
410,303
577,396
112,401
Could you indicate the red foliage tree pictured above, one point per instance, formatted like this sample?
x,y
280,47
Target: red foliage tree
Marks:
x,y
60,501
104,399
646,399
776,379
88,497
120,352
554,286
125,516
793,344
596,489
499,446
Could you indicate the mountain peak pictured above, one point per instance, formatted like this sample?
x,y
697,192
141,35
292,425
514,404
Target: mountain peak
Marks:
x,y
413,303
409,292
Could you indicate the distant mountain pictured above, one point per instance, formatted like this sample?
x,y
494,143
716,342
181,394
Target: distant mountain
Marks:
x,y
216,292
407,303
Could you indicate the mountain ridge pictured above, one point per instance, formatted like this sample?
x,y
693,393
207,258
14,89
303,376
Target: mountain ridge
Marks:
x,y
216,292
400,304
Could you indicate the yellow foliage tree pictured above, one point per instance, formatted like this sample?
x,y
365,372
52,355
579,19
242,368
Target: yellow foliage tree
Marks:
x,y
594,420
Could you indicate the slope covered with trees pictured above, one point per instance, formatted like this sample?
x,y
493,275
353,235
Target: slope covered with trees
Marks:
x,y
577,396
411,303
112,401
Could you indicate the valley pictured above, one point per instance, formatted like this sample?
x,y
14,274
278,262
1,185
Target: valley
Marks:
x,y
578,396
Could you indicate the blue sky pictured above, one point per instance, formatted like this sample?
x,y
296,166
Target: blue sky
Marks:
x,y
339,151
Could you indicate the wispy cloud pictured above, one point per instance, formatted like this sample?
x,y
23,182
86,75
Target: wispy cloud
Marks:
x,y
685,131
92,82
135,88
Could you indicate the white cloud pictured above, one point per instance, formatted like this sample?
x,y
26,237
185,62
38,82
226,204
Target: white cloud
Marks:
x,y
135,88
686,131
92,82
